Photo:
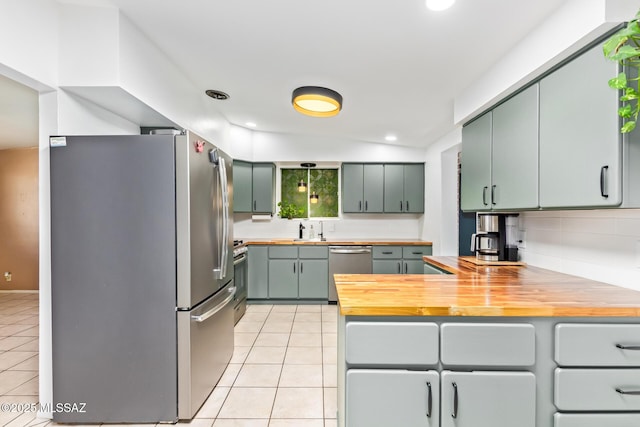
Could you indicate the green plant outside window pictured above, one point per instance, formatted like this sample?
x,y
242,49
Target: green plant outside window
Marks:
x,y
323,181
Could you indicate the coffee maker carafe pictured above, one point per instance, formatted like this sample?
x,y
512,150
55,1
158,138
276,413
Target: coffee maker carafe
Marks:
x,y
494,239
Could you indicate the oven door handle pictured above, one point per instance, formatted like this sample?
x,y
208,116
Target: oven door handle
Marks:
x,y
204,316
240,259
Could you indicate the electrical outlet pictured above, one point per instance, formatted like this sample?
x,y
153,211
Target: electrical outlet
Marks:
x,y
522,241
7,276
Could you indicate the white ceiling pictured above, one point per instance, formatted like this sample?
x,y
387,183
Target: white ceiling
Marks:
x,y
397,64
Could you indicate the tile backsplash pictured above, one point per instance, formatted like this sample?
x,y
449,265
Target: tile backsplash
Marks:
x,y
602,245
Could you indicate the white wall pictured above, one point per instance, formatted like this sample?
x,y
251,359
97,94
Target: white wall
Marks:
x,y
440,222
574,25
602,245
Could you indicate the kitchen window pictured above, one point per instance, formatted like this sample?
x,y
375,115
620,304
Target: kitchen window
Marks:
x,y
317,181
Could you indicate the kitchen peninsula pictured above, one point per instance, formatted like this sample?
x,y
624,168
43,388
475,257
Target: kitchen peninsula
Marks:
x,y
487,346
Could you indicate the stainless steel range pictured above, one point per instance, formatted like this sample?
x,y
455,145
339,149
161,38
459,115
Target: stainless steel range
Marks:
x,y
241,269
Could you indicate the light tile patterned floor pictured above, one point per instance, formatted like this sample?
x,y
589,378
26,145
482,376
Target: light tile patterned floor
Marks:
x,y
282,374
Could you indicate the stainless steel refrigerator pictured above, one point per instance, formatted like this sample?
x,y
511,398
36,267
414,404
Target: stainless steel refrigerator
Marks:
x,y
142,275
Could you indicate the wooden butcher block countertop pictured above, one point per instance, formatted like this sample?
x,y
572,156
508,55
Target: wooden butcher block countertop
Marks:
x,y
344,242
473,290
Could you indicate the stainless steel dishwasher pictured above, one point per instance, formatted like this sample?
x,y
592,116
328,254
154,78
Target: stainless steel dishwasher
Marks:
x,y
347,260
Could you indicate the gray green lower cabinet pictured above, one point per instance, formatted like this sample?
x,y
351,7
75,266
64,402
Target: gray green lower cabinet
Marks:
x,y
258,272
288,273
399,259
596,420
488,399
488,371
392,397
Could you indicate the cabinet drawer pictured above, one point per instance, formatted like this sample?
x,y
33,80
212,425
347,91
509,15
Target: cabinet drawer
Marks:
x,y
595,345
392,343
597,389
415,252
320,252
495,344
596,420
382,252
283,252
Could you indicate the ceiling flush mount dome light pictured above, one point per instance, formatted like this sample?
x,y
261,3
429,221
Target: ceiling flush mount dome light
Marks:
x,y
316,101
439,4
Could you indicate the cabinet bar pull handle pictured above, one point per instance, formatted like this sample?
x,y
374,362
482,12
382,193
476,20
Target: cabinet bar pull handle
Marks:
x,y
429,399
301,268
407,203
387,252
366,205
405,268
400,205
399,268
602,183
628,347
629,392
255,207
455,400
493,194
484,195
360,205
294,267
417,253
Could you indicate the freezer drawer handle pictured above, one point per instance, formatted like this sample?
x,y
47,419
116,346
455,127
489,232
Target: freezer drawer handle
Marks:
x,y
628,347
429,400
217,308
603,171
628,392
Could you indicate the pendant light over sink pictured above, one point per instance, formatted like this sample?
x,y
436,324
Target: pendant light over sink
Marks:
x,y
316,101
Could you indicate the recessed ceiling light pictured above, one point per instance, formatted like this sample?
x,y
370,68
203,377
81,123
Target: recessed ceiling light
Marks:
x,y
440,4
217,94
390,138
251,124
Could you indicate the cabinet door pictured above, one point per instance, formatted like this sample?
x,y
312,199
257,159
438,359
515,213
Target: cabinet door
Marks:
x,y
263,183
393,188
258,275
373,188
385,398
387,266
283,278
488,399
514,166
413,266
414,188
352,187
242,186
580,143
476,165
313,278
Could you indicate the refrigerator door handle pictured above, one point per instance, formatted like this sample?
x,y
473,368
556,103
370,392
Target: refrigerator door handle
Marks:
x,y
224,247
204,316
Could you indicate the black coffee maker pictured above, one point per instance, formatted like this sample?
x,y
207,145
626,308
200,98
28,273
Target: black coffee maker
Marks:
x,y
495,238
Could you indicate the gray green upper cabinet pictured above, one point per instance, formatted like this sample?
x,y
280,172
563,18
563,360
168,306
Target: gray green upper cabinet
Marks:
x,y
500,156
476,164
253,187
362,188
242,186
580,143
514,153
404,188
